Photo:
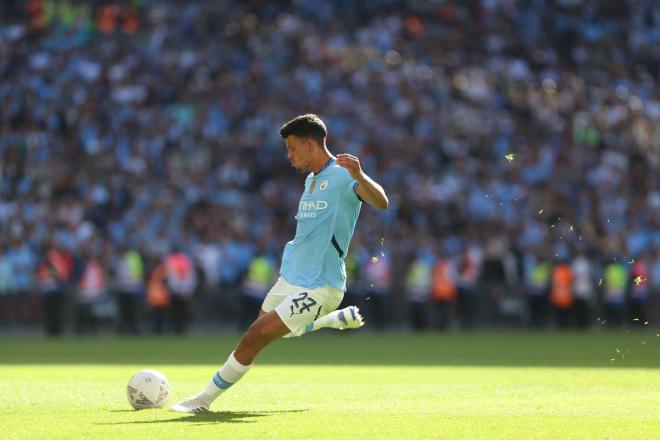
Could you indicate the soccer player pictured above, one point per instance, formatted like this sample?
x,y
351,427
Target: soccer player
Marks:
x,y
312,275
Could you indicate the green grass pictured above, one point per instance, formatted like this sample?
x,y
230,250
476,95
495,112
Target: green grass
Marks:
x,y
348,385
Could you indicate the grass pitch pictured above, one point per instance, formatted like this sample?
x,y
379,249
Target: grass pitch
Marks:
x,y
349,385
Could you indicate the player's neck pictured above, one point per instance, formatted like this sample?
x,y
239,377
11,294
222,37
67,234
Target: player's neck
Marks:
x,y
320,161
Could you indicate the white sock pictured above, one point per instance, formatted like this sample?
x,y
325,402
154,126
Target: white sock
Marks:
x,y
230,373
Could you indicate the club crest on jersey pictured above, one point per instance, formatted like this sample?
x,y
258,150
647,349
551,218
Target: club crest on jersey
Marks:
x,y
311,187
324,185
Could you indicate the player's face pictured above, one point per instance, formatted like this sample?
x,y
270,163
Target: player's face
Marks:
x,y
299,152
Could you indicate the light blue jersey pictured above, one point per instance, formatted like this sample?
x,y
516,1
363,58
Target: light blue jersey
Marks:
x,y
327,213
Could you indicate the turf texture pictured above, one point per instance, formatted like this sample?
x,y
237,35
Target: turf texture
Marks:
x,y
600,385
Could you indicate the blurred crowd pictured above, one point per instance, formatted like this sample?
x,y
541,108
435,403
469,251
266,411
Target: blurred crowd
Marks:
x,y
142,174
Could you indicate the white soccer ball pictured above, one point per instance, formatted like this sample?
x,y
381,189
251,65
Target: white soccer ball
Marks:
x,y
148,389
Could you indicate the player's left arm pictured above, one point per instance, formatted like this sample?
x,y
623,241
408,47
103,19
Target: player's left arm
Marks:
x,y
367,188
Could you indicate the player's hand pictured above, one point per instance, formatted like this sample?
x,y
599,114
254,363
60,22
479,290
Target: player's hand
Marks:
x,y
351,163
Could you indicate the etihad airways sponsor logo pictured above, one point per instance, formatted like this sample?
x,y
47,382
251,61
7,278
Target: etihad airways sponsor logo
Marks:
x,y
309,208
312,205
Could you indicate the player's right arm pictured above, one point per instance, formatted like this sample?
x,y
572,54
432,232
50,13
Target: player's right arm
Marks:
x,y
367,189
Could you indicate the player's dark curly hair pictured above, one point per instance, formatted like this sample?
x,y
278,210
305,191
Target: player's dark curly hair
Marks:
x,y
309,126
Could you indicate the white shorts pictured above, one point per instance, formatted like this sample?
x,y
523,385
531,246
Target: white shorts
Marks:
x,y
298,306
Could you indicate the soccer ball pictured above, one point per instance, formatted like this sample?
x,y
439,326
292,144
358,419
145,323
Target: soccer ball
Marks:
x,y
148,389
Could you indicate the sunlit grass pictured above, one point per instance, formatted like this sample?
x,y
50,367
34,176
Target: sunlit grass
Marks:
x,y
497,386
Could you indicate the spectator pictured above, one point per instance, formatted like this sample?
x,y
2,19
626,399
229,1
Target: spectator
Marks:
x,y
91,291
639,292
377,272
562,296
493,279
443,291
537,282
159,299
23,260
129,284
208,256
181,281
468,274
258,281
355,288
7,288
584,290
615,285
53,274
418,289
543,136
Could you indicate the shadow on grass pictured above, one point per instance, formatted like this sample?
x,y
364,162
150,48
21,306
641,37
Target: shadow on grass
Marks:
x,y
210,417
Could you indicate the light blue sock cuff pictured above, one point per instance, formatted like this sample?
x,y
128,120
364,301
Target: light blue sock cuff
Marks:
x,y
220,382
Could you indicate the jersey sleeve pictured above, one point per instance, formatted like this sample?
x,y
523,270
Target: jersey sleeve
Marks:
x,y
349,185
354,184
